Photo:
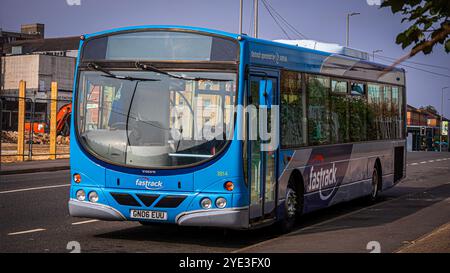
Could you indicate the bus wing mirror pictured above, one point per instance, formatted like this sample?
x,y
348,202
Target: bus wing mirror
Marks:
x,y
265,92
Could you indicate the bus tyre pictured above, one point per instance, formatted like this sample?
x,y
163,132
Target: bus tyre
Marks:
x,y
375,186
292,209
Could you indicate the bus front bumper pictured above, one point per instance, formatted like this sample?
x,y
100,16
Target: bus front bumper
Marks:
x,y
94,210
234,218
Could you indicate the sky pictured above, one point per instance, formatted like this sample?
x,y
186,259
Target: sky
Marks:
x,y
323,20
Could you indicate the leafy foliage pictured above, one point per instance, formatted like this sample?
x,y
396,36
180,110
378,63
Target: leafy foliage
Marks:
x,y
429,23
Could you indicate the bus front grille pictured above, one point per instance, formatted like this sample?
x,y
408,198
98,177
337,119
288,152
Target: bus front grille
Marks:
x,y
125,199
170,201
147,199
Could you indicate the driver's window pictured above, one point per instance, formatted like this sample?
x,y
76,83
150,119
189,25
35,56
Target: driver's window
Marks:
x,y
99,107
93,107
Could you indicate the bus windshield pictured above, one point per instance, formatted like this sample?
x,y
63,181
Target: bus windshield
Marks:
x,y
148,119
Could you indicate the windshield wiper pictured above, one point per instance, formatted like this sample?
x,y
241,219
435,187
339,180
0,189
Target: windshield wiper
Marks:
x,y
109,74
147,67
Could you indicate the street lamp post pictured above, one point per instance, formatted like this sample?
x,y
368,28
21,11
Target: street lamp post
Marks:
x,y
442,114
241,11
375,51
255,3
348,26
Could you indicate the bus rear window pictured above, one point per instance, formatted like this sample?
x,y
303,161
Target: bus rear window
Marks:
x,y
161,46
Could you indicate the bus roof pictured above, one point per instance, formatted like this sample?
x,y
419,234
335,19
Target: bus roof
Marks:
x,y
332,61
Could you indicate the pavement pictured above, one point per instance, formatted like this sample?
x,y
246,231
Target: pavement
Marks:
x,y
414,216
34,166
436,241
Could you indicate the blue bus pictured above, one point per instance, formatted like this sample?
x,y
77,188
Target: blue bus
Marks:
x,y
164,118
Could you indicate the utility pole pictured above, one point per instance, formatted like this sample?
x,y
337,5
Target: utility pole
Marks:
x,y
348,26
442,114
256,19
241,11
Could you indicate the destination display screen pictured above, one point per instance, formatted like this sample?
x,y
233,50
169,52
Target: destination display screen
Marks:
x,y
160,46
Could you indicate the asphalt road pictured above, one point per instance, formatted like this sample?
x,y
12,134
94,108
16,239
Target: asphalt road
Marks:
x,y
34,218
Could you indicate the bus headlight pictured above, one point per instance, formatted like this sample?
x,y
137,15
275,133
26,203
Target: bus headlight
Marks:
x,y
221,202
81,195
93,197
206,203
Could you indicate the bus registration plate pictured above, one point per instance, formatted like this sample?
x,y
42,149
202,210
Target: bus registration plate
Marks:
x,y
148,214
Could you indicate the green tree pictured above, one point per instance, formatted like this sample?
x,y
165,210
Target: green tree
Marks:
x,y
429,24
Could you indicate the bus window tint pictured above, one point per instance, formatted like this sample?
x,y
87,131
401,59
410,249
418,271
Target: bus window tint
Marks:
x,y
395,115
357,89
374,112
387,114
401,113
358,113
339,87
339,112
318,110
291,118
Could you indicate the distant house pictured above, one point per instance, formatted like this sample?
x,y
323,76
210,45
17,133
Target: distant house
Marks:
x,y
416,117
423,129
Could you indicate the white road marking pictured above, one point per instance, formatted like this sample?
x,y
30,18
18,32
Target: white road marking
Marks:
x,y
423,162
430,161
26,231
37,188
414,164
85,222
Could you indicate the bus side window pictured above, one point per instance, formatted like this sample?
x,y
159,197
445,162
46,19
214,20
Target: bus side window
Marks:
x,y
395,113
339,112
374,112
387,112
291,111
358,112
318,110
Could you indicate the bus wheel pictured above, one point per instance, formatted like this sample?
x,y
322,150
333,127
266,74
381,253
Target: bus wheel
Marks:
x,y
292,207
375,185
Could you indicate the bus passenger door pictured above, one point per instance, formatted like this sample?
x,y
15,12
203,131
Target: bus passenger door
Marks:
x,y
262,95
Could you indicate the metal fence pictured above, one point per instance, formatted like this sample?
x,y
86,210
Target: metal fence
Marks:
x,y
37,128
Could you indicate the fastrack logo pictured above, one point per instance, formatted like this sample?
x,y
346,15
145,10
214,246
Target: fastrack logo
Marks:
x,y
149,185
321,179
